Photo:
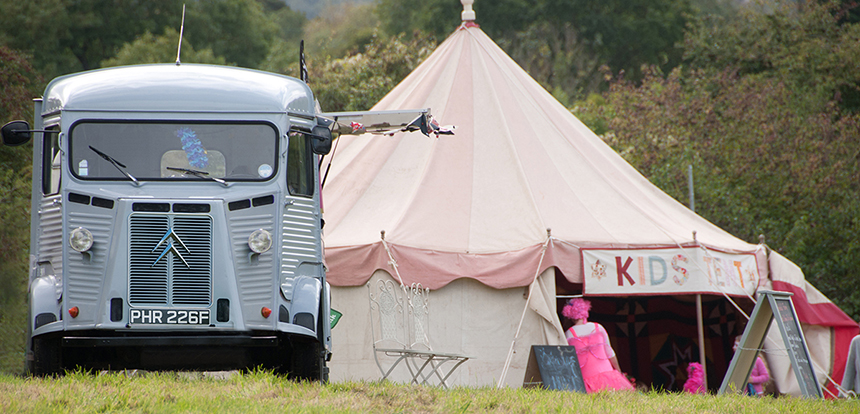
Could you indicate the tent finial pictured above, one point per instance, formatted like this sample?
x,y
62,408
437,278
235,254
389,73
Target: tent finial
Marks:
x,y
761,238
548,232
468,14
382,234
694,236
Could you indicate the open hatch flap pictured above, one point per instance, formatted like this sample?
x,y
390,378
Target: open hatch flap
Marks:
x,y
385,122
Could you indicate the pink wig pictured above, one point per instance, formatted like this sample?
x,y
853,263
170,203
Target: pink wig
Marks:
x,y
695,379
576,308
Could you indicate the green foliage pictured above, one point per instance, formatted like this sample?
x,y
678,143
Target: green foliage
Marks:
x,y
626,34
758,115
558,58
336,33
69,36
283,58
561,43
19,84
725,8
239,30
291,23
806,47
437,18
160,49
314,8
358,81
340,31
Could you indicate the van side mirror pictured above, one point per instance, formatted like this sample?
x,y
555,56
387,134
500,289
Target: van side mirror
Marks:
x,y
16,133
321,136
321,140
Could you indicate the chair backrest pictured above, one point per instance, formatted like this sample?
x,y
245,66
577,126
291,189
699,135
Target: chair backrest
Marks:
x,y
419,316
386,306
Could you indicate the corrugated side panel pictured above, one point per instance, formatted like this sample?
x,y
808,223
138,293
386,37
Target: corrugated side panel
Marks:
x,y
300,242
51,235
86,273
256,280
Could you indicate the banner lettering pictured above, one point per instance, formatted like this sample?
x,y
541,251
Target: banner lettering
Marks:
x,y
668,271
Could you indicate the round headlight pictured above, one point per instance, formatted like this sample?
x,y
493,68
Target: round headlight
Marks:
x,y
260,241
81,239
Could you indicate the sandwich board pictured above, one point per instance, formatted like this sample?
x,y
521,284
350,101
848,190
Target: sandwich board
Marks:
x,y
554,368
772,306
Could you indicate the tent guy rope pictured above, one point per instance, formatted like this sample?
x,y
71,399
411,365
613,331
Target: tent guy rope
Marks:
x,y
525,309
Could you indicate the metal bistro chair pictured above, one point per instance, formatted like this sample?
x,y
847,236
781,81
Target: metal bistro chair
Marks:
x,y
386,304
424,358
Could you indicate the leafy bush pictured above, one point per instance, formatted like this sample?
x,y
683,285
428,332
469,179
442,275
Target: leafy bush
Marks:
x,y
18,83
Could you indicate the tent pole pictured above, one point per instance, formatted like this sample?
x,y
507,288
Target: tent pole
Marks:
x,y
700,319
690,187
702,356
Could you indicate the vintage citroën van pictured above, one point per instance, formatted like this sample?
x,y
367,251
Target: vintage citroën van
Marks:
x,y
176,220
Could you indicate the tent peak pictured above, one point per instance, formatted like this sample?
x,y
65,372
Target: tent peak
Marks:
x,y
468,14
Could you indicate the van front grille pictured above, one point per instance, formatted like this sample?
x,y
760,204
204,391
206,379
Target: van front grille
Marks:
x,y
170,259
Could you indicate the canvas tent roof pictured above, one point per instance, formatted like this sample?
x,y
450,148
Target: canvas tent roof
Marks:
x,y
520,174
479,204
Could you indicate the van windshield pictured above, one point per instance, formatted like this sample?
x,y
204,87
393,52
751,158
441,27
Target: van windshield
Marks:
x,y
189,151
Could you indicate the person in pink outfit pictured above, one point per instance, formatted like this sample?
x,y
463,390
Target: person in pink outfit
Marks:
x,y
600,369
758,375
695,383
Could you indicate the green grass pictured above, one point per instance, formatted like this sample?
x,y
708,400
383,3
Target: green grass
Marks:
x,y
261,392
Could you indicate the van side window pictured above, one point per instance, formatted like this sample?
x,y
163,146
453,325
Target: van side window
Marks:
x,y
51,162
300,178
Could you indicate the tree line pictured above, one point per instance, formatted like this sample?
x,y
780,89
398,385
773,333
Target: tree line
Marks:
x,y
760,97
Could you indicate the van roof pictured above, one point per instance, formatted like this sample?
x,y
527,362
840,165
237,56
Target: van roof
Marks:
x,y
178,88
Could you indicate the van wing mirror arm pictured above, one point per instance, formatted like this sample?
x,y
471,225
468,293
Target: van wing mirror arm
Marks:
x,y
16,133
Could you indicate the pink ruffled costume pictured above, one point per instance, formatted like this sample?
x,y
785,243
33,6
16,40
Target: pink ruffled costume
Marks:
x,y
597,371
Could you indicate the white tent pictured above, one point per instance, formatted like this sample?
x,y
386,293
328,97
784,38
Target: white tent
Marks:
x,y
523,194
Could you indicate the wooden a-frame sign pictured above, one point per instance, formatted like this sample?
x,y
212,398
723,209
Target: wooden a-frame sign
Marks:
x,y
772,306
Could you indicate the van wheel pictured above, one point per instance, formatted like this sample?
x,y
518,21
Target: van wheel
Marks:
x,y
46,356
307,362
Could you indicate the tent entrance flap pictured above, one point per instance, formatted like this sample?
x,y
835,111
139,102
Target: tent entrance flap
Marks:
x,y
655,337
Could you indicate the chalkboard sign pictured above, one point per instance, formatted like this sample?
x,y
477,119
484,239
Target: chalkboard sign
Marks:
x,y
772,306
554,368
798,353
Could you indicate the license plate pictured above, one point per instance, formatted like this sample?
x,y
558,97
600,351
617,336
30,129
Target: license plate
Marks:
x,y
169,316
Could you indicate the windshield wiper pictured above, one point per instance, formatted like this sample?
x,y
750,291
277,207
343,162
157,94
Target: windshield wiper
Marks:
x,y
201,174
119,166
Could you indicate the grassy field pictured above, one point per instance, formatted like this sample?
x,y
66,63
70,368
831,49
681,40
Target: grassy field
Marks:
x,y
260,392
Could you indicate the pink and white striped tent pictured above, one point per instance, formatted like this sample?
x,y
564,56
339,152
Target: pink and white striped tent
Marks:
x,y
522,194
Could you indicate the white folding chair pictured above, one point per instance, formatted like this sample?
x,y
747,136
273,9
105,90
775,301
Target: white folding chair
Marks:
x,y
425,362
389,333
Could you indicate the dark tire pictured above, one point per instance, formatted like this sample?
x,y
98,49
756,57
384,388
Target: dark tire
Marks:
x,y
308,357
47,357
307,362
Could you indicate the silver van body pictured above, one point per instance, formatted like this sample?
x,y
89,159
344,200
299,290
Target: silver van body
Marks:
x,y
176,223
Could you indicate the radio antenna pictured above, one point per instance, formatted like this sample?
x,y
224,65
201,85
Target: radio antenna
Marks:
x,y
181,29
303,66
